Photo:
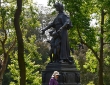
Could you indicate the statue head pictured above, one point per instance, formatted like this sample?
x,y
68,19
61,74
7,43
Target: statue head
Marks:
x,y
59,7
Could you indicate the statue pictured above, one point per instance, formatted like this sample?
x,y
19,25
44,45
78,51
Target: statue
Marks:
x,y
60,51
55,46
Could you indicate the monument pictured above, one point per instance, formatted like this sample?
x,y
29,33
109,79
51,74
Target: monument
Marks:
x,y
60,58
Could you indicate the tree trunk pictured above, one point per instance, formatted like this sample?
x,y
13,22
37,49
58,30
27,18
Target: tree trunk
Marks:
x,y
100,73
4,63
21,61
101,50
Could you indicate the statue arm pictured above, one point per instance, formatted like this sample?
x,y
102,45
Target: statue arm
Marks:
x,y
65,25
49,26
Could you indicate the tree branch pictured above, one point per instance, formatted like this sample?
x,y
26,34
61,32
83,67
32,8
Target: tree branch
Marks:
x,y
13,44
82,41
3,21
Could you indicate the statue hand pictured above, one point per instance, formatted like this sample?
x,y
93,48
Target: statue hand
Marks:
x,y
59,30
43,31
51,32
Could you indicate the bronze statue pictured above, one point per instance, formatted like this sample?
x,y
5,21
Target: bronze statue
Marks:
x,y
59,43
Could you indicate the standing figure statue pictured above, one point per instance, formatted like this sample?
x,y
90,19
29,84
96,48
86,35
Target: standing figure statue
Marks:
x,y
60,44
55,46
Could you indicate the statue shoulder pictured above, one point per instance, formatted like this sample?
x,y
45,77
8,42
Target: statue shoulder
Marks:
x,y
66,15
63,15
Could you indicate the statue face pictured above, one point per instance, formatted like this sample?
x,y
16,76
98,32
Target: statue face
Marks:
x,y
57,8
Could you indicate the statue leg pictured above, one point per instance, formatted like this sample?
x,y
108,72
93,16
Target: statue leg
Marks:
x,y
54,55
58,53
50,54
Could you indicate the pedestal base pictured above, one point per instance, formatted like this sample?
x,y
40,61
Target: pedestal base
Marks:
x,y
69,74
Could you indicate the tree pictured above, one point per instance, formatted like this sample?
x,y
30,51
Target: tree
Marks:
x,y
20,43
5,43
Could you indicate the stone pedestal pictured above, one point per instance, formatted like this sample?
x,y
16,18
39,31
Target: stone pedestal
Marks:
x,y
69,74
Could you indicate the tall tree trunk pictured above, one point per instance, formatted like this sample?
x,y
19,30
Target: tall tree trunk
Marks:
x,y
101,50
21,61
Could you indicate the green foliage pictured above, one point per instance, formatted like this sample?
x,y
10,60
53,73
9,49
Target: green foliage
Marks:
x,y
77,64
91,62
30,19
32,73
7,14
91,83
107,60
